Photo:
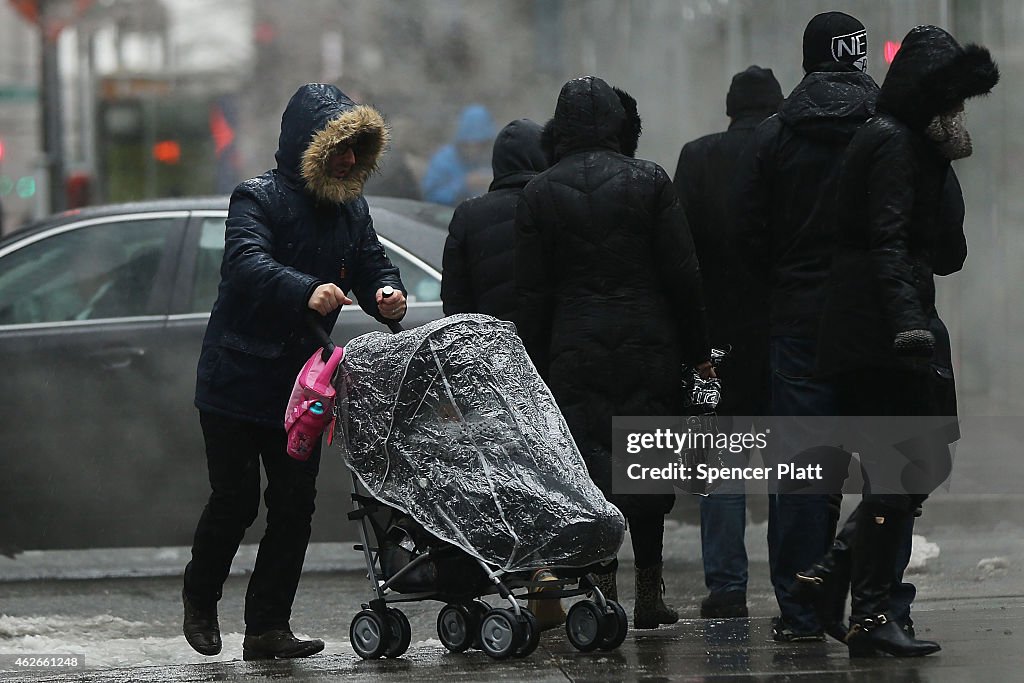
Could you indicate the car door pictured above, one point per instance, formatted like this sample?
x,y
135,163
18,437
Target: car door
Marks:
x,y
195,292
83,308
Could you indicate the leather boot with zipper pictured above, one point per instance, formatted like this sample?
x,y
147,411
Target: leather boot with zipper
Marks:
x,y
876,543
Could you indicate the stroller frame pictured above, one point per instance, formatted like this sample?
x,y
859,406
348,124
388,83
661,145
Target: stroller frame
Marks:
x,y
465,621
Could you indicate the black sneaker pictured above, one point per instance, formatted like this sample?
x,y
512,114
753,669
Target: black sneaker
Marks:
x,y
784,633
200,626
724,605
279,644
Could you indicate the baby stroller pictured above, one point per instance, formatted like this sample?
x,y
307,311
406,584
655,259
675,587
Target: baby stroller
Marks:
x,y
474,483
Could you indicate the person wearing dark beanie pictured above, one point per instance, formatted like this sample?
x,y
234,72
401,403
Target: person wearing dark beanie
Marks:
x,y
736,317
786,227
835,37
753,90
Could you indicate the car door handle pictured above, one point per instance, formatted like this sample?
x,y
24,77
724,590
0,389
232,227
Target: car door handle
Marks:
x,y
118,357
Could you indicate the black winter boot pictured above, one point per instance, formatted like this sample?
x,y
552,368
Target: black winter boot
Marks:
x,y
650,610
826,583
278,644
876,543
200,626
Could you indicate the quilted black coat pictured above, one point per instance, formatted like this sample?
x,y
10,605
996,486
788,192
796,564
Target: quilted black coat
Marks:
x,y
607,276
479,254
901,210
290,230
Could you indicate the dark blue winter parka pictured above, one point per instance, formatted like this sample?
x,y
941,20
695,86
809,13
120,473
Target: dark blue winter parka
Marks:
x,y
289,231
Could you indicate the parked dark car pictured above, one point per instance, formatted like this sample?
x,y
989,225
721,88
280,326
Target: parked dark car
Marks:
x,y
102,313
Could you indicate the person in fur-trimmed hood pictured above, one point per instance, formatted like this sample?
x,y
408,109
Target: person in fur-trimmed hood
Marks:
x,y
882,340
299,238
610,299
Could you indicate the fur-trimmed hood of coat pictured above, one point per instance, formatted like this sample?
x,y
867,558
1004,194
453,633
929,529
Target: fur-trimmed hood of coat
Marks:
x,y
590,114
931,74
320,117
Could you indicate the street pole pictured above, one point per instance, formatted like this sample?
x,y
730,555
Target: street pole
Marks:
x,y
50,99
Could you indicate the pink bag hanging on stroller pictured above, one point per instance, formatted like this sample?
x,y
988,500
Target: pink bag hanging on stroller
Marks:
x,y
311,405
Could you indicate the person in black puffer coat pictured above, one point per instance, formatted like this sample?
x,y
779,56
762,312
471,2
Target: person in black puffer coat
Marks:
x,y
298,239
881,336
479,254
610,297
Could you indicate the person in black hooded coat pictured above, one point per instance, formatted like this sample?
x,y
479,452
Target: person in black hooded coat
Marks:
x,y
881,337
610,297
479,254
786,224
298,239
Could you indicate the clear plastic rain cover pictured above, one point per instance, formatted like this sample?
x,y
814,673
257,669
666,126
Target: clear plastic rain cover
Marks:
x,y
450,423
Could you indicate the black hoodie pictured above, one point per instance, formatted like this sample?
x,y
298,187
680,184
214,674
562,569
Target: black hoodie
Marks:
x,y
786,220
479,254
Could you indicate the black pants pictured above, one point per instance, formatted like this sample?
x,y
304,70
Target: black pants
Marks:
x,y
647,533
233,452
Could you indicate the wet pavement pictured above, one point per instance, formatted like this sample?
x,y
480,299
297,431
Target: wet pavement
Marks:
x,y
981,642
971,599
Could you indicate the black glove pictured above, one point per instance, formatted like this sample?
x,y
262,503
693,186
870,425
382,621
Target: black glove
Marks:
x,y
914,344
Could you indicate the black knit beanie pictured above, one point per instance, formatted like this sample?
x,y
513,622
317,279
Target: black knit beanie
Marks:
x,y
833,37
753,90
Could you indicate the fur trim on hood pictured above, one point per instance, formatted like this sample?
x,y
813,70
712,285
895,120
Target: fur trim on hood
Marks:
x,y
318,118
362,127
932,74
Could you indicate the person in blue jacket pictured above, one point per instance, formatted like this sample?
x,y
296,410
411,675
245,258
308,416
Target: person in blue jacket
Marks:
x,y
462,168
299,238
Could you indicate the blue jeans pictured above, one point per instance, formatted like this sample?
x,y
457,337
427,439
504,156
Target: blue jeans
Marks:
x,y
800,526
723,521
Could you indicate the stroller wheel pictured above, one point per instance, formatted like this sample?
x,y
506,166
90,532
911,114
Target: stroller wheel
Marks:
x,y
584,625
457,626
401,633
501,634
531,632
369,634
614,626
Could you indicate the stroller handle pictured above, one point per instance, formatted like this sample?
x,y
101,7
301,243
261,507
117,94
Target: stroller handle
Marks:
x,y
312,320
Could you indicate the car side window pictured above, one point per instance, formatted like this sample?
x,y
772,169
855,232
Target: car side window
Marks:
x,y
422,286
104,270
207,274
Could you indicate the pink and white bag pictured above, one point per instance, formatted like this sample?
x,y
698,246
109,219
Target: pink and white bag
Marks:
x,y
311,406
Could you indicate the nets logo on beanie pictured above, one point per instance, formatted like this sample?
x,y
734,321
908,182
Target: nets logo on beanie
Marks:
x,y
852,49
835,37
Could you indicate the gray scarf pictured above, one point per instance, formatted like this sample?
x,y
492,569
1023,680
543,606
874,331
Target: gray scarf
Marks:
x,y
949,132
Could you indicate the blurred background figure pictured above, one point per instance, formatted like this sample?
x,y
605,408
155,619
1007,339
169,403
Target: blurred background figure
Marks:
x,y
737,318
479,254
460,170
